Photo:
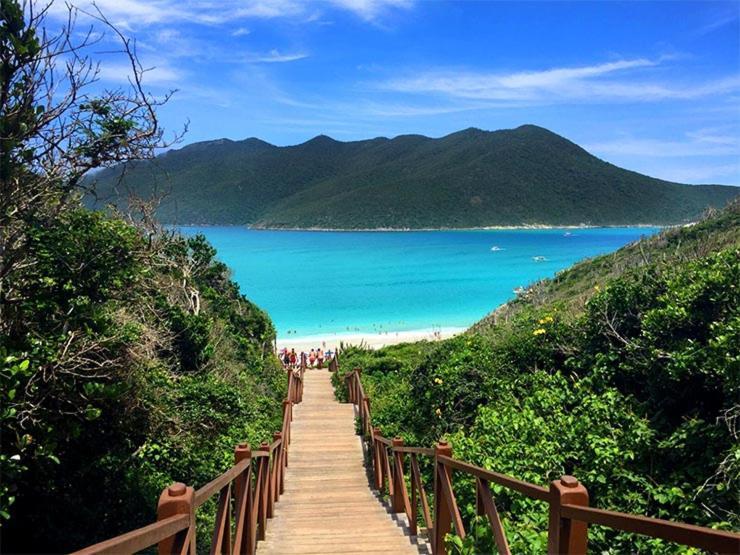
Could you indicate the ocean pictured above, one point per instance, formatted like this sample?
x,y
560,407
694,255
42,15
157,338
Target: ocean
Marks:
x,y
316,283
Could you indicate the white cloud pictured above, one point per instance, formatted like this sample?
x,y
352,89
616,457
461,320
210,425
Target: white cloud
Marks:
x,y
695,145
717,23
612,81
129,14
371,10
720,174
715,136
274,56
240,32
407,110
120,73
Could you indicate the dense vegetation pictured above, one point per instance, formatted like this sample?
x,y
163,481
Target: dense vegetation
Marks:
x,y
133,365
128,358
624,371
471,178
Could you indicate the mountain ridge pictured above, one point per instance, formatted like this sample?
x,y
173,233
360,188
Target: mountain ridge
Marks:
x,y
471,178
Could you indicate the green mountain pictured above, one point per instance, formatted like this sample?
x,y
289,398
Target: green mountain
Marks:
x,y
471,178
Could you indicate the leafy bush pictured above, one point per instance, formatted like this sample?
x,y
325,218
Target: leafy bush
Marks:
x,y
131,364
634,391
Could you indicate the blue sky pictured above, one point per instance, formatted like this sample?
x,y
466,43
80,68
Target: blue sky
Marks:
x,y
650,86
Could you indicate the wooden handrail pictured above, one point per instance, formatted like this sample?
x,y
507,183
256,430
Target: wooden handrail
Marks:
x,y
567,499
530,490
416,450
718,541
207,491
254,483
387,442
139,539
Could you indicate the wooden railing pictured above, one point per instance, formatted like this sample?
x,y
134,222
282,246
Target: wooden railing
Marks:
x,y
247,493
567,498
334,362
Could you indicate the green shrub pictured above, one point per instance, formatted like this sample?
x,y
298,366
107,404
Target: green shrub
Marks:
x,y
634,390
130,364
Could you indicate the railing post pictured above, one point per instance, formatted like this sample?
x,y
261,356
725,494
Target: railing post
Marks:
x,y
352,387
270,479
263,503
178,499
565,536
399,483
377,462
365,412
243,537
287,419
348,385
358,385
289,393
442,512
278,466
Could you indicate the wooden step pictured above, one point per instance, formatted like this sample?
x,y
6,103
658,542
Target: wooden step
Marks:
x,y
328,506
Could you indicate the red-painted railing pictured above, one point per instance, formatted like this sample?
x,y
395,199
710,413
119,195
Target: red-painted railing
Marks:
x,y
569,512
247,493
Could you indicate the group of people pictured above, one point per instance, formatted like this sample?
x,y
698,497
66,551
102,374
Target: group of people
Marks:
x,y
316,358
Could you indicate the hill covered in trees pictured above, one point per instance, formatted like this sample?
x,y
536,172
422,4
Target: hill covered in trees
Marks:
x,y
128,357
622,371
471,178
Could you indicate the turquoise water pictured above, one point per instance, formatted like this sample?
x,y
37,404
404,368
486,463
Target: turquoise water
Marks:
x,y
314,283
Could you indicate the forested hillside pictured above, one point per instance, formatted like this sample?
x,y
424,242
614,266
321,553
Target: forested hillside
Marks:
x,y
128,357
471,178
129,365
623,371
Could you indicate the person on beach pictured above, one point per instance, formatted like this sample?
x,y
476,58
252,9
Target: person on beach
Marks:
x,y
311,358
286,358
293,358
320,357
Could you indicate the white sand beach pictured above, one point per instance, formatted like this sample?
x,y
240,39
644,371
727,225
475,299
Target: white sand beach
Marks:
x,y
372,340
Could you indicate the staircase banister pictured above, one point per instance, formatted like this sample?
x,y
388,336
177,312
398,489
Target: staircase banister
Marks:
x,y
416,450
204,493
140,538
526,488
718,541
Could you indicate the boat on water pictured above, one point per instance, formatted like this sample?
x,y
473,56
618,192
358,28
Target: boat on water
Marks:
x,y
539,258
494,248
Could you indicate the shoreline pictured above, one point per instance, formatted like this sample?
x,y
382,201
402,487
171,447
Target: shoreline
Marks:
x,y
530,227
372,340
533,227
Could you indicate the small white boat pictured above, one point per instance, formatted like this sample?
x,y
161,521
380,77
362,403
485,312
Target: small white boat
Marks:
x,y
567,234
494,248
539,258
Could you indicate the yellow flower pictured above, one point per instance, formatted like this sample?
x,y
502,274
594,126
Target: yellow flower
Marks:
x,y
438,381
597,288
546,320
438,412
539,331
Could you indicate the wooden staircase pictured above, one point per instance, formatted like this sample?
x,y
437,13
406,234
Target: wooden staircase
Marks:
x,y
321,502
327,506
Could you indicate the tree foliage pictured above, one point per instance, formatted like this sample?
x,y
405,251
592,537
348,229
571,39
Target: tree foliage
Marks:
x,y
526,175
634,390
128,357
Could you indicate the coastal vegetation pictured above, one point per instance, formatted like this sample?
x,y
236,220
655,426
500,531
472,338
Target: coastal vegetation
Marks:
x,y
472,178
128,358
622,371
